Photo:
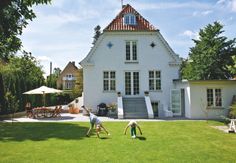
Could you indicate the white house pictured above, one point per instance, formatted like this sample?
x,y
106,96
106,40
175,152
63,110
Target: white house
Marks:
x,y
131,57
131,64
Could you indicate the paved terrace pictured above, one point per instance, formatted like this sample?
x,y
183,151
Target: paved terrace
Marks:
x,y
67,117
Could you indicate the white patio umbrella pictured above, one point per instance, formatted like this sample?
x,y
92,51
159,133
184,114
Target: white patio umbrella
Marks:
x,y
43,90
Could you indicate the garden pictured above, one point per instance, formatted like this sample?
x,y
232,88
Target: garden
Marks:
x,y
166,141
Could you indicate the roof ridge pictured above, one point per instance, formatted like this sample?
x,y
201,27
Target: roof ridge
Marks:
x,y
118,25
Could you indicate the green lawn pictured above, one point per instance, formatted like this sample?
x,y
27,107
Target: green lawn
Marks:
x,y
172,141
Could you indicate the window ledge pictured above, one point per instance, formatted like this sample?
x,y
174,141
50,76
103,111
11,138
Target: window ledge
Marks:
x,y
215,107
155,91
131,62
109,91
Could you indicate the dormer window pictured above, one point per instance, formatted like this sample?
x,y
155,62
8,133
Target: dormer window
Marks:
x,y
130,19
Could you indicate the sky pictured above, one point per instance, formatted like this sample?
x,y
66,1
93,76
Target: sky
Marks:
x,y
63,31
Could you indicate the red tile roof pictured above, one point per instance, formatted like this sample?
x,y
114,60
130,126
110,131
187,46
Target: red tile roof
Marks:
x,y
117,24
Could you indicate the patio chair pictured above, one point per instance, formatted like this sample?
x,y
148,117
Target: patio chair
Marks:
x,y
29,110
57,111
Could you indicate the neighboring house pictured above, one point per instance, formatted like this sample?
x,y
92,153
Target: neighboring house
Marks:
x,y
67,77
131,64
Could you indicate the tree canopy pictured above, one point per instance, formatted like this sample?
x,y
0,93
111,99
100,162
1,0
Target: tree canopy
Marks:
x,y
212,57
17,74
14,16
20,74
97,33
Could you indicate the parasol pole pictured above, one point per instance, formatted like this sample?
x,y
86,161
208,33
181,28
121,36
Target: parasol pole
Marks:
x,y
44,99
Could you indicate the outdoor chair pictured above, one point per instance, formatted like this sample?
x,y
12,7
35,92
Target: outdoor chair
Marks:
x,y
29,113
29,110
57,111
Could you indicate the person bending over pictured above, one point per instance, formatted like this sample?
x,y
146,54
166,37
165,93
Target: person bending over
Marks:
x,y
133,124
94,121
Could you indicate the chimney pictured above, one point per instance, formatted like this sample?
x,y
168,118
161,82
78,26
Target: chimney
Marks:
x,y
73,63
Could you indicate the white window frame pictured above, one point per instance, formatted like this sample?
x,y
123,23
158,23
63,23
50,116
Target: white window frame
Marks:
x,y
214,98
131,44
155,78
109,79
134,87
130,19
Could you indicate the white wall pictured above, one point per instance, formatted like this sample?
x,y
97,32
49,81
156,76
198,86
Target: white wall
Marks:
x,y
199,99
113,59
196,97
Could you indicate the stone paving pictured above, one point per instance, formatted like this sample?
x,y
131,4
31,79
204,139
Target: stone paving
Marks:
x,y
67,117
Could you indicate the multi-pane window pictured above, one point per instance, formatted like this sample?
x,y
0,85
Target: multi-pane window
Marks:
x,y
109,80
136,82
214,97
154,80
131,50
130,19
128,83
132,83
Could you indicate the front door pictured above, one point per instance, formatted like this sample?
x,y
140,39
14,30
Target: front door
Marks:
x,y
132,83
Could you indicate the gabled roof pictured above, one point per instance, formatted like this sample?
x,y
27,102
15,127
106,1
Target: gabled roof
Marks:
x,y
70,64
117,24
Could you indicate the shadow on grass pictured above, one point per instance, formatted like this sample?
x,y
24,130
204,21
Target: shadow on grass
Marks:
x,y
141,138
104,138
41,131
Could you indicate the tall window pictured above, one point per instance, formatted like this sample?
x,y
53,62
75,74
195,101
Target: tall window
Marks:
x,y
154,80
130,19
109,80
214,97
131,50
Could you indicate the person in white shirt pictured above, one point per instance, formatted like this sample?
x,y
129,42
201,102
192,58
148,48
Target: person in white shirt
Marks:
x,y
133,124
94,121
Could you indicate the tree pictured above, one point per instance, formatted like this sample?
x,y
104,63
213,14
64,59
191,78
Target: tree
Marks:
x,y
52,79
97,34
20,74
232,68
14,16
78,89
211,57
2,100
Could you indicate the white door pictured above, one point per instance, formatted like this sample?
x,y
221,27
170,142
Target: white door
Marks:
x,y
132,83
176,102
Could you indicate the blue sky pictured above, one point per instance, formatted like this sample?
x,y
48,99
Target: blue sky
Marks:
x,y
63,31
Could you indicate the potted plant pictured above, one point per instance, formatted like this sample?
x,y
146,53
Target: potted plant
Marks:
x,y
146,93
118,94
112,108
72,109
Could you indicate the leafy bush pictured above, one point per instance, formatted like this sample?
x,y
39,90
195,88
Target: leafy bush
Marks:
x,y
232,111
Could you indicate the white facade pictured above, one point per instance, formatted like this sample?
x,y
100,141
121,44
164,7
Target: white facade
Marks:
x,y
104,58
195,99
106,71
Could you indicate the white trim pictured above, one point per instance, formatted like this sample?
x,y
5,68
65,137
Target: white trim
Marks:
x,y
180,107
155,79
149,107
132,83
214,98
131,51
120,108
